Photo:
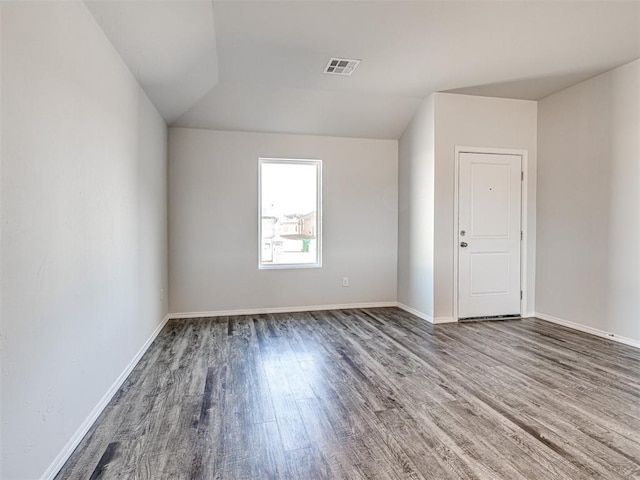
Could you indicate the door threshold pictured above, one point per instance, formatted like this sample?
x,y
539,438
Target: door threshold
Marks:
x,y
515,316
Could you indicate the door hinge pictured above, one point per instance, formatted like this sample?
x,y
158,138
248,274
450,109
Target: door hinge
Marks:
x,y
522,176
521,235
520,294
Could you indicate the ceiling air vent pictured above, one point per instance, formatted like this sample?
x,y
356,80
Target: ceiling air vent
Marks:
x,y
341,66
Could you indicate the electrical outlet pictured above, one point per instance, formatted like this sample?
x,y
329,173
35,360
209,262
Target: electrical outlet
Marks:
x,y
345,281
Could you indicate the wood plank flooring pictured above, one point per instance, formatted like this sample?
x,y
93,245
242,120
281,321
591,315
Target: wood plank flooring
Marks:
x,y
370,394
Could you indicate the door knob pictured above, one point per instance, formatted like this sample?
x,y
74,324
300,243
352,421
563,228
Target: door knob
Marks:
x,y
464,244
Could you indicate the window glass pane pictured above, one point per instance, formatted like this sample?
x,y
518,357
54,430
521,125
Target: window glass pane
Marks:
x,y
289,213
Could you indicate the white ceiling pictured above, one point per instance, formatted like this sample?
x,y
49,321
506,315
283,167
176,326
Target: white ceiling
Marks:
x,y
170,46
256,65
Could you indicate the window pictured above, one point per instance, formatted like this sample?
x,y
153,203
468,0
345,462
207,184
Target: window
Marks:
x,y
290,206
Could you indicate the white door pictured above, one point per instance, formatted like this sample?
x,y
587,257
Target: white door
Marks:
x,y
489,237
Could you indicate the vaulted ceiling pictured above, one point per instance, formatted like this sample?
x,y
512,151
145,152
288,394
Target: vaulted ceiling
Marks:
x,y
257,65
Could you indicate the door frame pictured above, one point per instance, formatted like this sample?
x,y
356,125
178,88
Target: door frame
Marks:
x,y
524,155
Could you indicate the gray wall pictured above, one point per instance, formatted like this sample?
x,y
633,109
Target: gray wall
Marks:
x,y
83,206
469,121
588,268
427,179
213,221
416,205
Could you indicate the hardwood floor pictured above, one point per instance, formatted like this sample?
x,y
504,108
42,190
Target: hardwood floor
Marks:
x,y
370,394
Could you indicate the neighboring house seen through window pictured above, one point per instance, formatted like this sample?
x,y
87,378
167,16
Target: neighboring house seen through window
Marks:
x,y
290,209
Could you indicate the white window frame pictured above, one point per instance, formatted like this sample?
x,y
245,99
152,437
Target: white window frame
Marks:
x,y
291,161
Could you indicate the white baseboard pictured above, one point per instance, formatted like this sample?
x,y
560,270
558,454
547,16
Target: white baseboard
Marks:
x,y
593,331
439,320
258,311
415,312
424,316
77,437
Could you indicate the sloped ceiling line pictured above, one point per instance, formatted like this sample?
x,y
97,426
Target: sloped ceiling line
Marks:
x,y
170,46
257,65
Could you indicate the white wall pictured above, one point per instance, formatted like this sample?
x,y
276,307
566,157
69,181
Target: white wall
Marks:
x,y
213,221
1,223
427,179
588,268
83,252
470,121
416,170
